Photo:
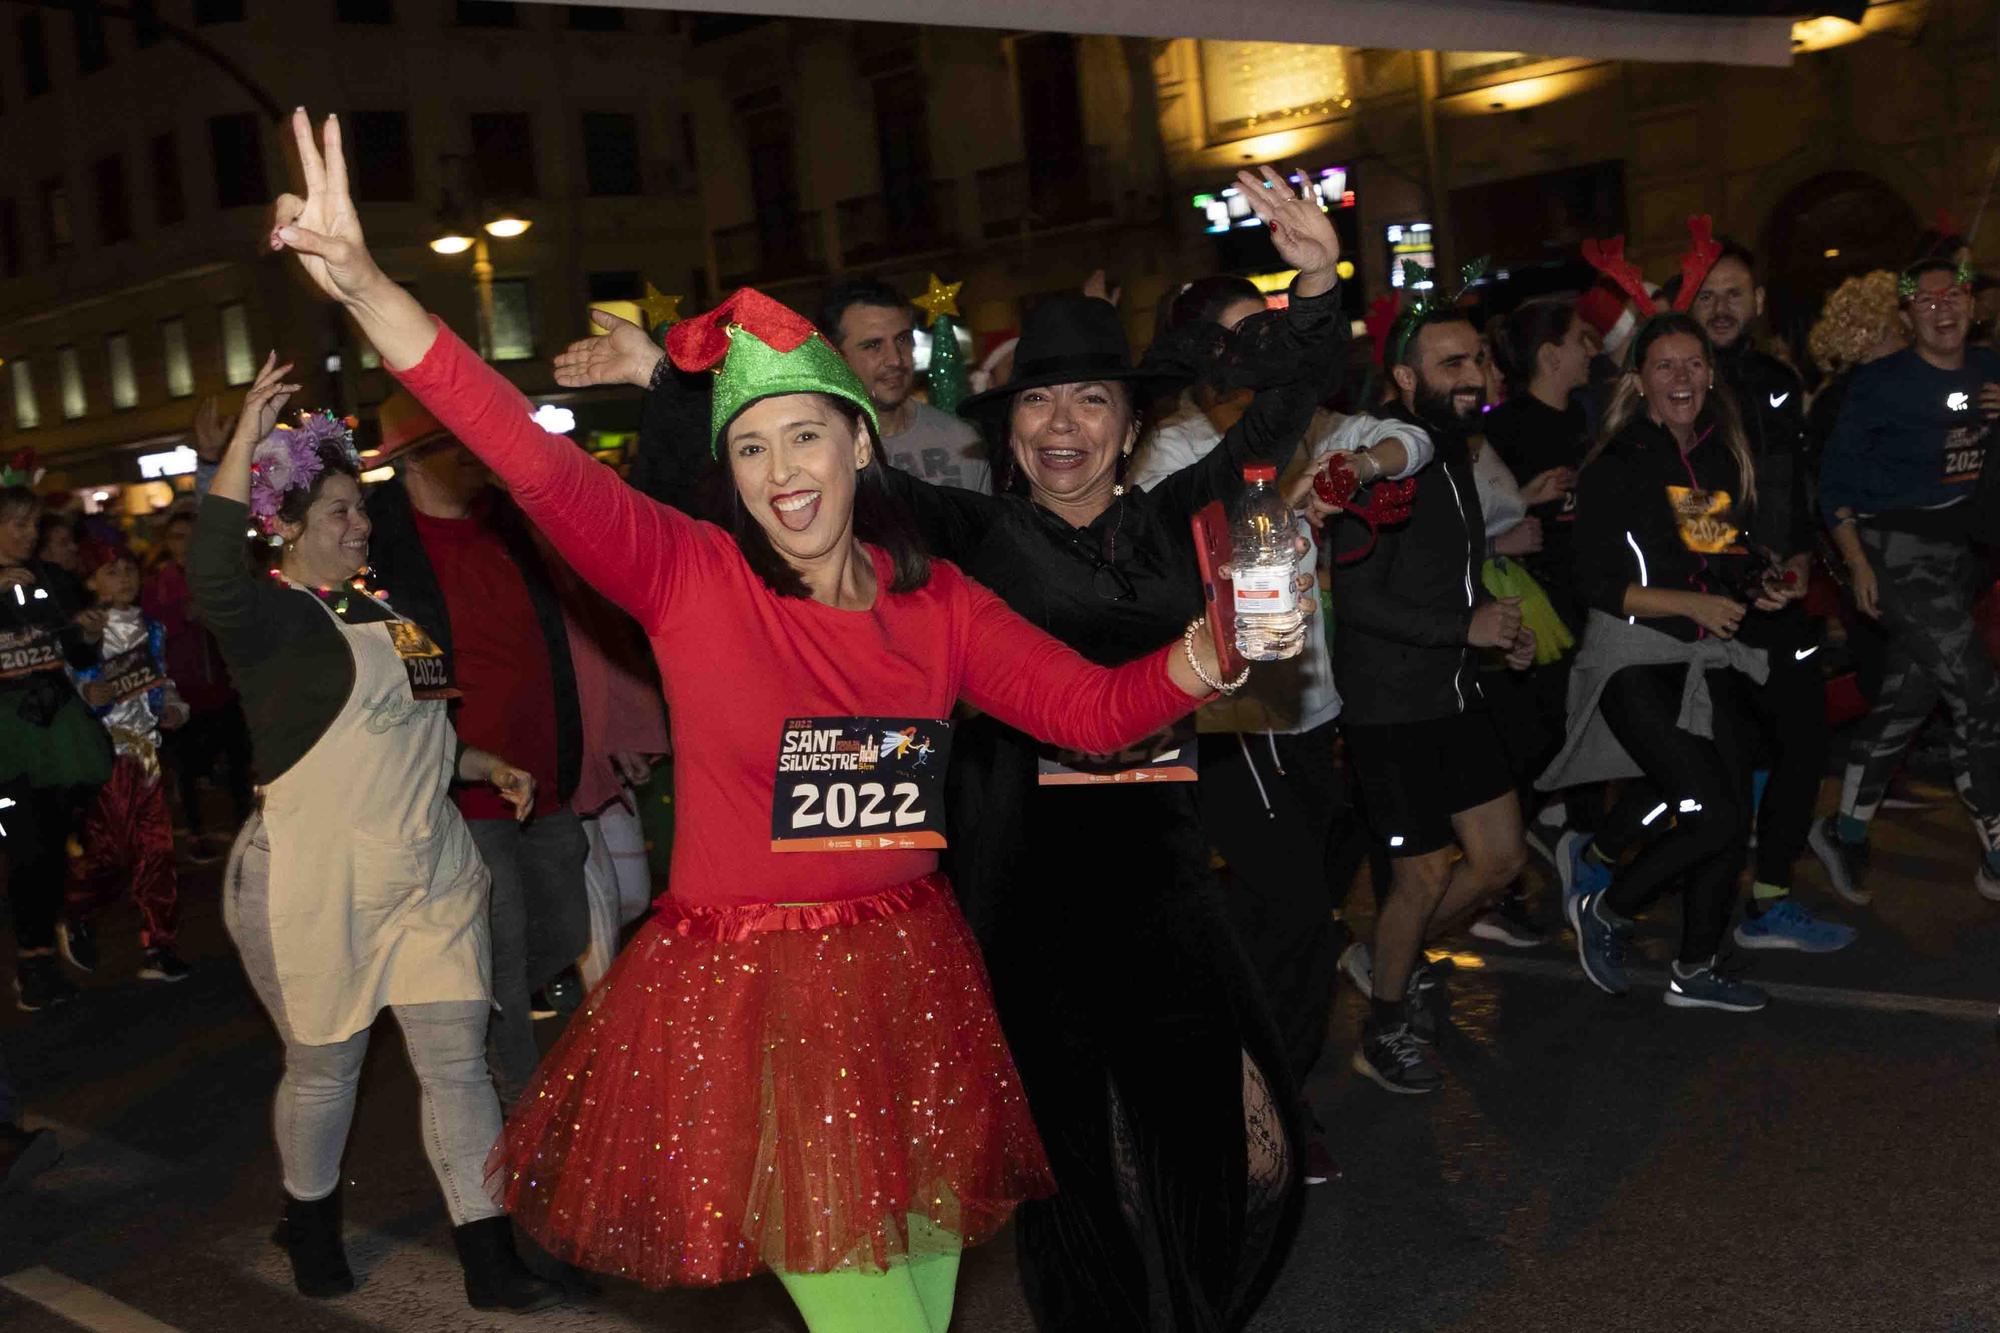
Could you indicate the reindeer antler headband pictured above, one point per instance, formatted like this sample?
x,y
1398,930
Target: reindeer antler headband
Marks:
x,y
1608,258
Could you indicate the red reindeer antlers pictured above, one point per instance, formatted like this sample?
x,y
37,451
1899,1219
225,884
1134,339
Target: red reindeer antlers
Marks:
x,y
1608,258
1703,251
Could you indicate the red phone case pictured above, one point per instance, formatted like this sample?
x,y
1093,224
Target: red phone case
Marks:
x,y
1211,552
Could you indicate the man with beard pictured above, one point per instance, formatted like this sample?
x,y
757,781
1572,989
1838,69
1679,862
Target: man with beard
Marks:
x,y
875,330
1897,487
1790,706
1424,752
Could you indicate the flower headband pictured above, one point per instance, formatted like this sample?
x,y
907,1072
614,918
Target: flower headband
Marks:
x,y
1906,285
288,459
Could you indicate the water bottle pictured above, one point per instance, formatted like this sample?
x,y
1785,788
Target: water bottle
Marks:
x,y
1264,569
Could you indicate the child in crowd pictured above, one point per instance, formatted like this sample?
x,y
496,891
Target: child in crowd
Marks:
x,y
126,831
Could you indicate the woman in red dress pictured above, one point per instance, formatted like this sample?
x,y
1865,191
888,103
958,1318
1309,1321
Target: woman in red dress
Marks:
x,y
796,1064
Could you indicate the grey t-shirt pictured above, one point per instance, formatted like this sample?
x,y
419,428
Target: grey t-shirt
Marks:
x,y
941,448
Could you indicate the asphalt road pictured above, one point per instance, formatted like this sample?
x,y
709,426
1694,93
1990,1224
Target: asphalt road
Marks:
x,y
1593,1163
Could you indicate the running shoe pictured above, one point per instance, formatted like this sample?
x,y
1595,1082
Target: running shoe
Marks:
x,y
1397,1061
1845,863
1510,924
1600,944
78,944
1359,965
39,984
1705,988
163,964
1427,1001
1790,924
1580,873
1319,1164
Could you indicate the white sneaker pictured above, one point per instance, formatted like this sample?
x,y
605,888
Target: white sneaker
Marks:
x,y
1359,965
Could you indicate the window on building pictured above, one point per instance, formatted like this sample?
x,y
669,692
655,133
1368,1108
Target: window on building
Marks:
x,y
903,150
1052,123
87,21
57,234
488,14
364,11
239,363
27,412
10,239
69,377
380,165
503,155
237,151
34,55
611,152
174,352
596,18
169,198
145,22
513,320
114,200
218,11
771,138
124,385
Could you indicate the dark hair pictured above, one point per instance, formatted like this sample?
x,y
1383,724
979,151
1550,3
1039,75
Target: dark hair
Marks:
x,y
1521,336
879,518
1736,250
49,522
292,506
1203,300
1406,352
849,292
13,498
1915,273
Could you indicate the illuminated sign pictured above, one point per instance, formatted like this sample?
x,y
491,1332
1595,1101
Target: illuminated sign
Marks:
x,y
555,420
174,463
1409,240
1227,209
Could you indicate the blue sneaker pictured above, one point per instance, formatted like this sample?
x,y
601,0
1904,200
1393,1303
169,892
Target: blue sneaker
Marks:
x,y
1789,924
1705,988
1580,874
1600,945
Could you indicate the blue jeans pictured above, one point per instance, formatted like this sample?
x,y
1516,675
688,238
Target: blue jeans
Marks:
x,y
541,924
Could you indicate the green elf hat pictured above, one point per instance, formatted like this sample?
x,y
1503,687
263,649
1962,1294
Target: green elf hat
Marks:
x,y
760,349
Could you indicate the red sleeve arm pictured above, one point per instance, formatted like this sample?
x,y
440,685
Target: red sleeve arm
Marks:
x,y
1035,682
628,547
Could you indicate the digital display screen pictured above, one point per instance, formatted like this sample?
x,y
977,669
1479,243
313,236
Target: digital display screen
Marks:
x,y
1227,209
1409,240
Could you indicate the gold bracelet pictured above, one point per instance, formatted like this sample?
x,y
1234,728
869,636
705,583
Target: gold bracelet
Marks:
x,y
1194,663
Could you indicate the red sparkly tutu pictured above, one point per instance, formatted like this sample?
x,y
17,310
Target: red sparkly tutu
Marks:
x,y
775,1087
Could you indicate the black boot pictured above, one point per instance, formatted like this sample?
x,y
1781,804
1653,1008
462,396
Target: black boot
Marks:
x,y
495,1278
310,1234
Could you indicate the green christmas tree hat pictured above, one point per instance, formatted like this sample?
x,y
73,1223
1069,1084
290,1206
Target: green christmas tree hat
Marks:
x,y
760,349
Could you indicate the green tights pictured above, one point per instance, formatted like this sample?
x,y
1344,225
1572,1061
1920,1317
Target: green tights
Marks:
x,y
912,1295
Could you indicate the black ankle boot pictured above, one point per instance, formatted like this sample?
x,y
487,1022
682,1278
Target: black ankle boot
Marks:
x,y
310,1234
495,1278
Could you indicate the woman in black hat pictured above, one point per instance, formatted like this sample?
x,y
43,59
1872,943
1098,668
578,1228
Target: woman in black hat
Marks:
x,y
1155,1075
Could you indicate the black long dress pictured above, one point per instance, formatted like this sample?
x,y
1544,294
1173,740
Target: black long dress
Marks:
x,y
1156,1076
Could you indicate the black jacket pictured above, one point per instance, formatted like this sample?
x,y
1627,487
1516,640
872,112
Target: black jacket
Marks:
x,y
1771,400
1400,615
402,567
1647,514
1531,438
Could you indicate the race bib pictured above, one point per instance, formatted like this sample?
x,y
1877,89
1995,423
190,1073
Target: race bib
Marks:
x,y
1704,518
1166,756
860,784
26,651
130,673
1965,454
423,660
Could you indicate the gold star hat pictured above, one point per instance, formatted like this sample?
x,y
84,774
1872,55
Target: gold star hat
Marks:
x,y
761,349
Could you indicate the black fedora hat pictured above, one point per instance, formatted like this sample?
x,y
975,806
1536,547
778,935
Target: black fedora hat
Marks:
x,y
1068,339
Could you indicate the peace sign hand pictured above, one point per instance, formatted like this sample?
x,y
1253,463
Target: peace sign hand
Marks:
x,y
1300,228
322,228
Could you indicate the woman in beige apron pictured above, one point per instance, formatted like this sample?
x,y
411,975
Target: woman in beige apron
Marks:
x,y
355,886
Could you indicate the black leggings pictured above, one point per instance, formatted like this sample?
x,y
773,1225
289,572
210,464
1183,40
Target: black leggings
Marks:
x,y
1702,782
36,848
1790,713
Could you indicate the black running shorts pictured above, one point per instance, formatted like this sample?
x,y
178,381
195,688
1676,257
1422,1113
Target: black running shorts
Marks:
x,y
1414,776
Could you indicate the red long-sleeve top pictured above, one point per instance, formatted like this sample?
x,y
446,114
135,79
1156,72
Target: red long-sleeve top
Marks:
x,y
737,660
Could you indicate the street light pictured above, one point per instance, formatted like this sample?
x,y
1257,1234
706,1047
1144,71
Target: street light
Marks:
x,y
459,235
